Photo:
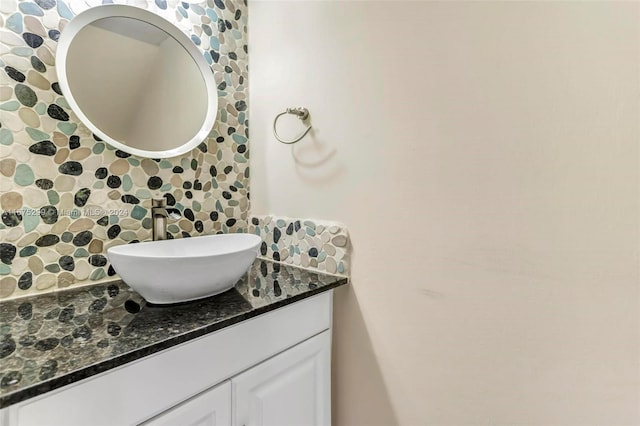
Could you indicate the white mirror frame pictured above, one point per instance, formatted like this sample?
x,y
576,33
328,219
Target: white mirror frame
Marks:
x,y
111,10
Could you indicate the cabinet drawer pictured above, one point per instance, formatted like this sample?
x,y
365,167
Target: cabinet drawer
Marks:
x,y
139,390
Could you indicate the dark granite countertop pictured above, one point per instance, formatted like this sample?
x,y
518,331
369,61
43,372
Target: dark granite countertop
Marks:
x,y
52,340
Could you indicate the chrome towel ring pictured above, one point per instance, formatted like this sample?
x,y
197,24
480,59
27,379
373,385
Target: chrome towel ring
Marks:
x,y
300,112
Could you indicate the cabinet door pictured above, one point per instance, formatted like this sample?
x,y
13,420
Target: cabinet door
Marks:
x,y
210,408
292,388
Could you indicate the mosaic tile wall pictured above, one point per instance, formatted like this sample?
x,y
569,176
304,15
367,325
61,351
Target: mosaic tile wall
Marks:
x,y
310,244
66,196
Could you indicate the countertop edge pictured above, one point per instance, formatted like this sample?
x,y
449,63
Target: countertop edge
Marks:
x,y
92,370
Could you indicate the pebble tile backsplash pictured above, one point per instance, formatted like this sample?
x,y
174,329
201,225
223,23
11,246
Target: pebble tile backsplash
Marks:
x,y
65,195
310,244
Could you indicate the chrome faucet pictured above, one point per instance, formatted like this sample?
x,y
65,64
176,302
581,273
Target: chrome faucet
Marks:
x,y
160,214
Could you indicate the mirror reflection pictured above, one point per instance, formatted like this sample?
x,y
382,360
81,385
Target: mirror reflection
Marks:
x,y
136,84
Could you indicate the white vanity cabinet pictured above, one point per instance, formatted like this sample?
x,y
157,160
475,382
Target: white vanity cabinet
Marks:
x,y
292,388
273,369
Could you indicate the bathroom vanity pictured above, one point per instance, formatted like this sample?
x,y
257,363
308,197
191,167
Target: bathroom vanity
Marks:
x,y
257,354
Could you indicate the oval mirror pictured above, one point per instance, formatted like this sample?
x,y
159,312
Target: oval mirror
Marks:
x,y
136,81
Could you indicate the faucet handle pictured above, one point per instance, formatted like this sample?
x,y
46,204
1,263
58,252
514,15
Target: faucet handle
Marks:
x,y
159,202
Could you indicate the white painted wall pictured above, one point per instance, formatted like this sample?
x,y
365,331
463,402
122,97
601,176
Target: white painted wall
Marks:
x,y
485,158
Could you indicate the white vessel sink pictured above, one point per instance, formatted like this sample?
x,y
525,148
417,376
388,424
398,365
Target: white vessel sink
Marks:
x,y
173,271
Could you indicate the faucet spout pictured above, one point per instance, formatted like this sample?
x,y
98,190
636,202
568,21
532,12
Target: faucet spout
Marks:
x,y
167,212
160,214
